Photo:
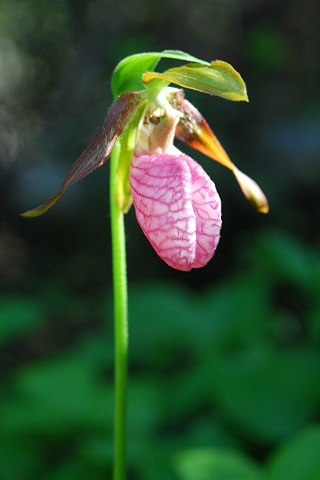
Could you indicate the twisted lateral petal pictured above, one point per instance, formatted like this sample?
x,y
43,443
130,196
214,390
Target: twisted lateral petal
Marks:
x,y
98,151
177,207
194,130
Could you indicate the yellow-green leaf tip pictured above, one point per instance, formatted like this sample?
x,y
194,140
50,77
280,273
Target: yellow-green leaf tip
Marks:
x,y
43,208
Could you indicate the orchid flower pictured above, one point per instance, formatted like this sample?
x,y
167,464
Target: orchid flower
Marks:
x,y
176,203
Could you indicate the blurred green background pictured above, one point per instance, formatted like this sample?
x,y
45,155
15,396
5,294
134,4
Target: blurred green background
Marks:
x,y
224,360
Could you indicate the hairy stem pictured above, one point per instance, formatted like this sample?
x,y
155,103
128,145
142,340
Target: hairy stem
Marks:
x,y
120,321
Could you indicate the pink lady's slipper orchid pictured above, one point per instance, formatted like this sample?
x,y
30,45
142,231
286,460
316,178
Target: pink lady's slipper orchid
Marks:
x,y
176,203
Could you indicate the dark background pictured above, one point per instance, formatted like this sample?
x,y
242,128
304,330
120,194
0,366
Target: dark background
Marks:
x,y
224,360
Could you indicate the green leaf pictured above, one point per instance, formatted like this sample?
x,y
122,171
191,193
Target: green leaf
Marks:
x,y
218,464
19,459
127,76
268,395
18,315
219,78
67,388
299,459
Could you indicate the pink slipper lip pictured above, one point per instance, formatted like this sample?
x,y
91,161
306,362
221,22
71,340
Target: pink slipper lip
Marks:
x,y
177,207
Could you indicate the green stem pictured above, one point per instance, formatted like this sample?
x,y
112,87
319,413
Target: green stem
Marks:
x,y
120,321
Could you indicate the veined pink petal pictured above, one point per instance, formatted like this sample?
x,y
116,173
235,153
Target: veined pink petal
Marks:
x,y
207,209
177,207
